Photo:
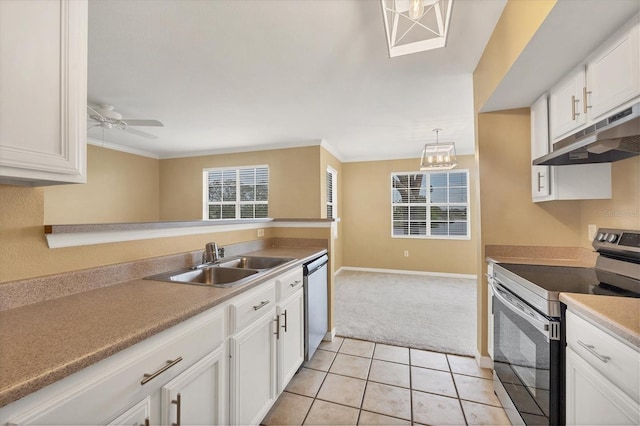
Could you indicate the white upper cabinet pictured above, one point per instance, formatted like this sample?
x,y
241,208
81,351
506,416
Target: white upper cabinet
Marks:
x,y
609,80
539,147
565,104
43,86
574,182
613,75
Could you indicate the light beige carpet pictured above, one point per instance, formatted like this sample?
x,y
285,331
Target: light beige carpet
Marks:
x,y
418,311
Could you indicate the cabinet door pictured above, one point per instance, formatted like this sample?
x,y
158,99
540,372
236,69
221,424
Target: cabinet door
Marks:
x,y
139,414
43,81
594,400
252,378
613,76
291,338
197,396
540,175
565,105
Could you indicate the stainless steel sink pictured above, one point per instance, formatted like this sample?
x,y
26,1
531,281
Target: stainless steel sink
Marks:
x,y
215,276
231,272
255,262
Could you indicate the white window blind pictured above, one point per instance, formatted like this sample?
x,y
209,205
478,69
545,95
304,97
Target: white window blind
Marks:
x,y
430,205
236,193
331,194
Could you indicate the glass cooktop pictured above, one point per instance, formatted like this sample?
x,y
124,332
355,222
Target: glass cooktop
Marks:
x,y
567,279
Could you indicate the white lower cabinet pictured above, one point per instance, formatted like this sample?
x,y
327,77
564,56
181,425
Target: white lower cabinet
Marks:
x,y
224,366
592,399
252,369
290,337
197,396
602,377
110,391
139,414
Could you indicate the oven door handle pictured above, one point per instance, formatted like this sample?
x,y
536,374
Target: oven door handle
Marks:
x,y
526,314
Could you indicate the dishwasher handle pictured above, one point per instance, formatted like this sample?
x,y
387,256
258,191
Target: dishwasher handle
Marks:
x,y
316,264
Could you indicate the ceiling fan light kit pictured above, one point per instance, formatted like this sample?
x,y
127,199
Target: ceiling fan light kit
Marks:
x,y
438,156
106,117
416,25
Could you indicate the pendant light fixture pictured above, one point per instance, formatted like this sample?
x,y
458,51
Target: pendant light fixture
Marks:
x,y
438,156
416,25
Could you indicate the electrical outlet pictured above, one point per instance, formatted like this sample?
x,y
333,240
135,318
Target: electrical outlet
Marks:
x,y
591,230
260,232
406,253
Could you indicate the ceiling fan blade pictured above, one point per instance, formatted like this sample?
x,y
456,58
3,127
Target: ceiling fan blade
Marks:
x,y
140,133
134,122
95,114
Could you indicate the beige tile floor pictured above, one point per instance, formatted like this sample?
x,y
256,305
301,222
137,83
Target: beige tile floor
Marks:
x,y
355,382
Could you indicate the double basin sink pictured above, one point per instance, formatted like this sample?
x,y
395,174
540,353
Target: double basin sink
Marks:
x,y
227,273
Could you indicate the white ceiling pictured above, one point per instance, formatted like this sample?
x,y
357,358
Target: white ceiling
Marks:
x,y
236,75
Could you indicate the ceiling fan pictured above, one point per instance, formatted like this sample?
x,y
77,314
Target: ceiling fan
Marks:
x,y
104,116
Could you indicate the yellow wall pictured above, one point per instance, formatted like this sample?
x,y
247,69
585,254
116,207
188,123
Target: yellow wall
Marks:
x,y
623,210
515,28
518,23
366,221
509,217
24,252
327,159
294,182
120,187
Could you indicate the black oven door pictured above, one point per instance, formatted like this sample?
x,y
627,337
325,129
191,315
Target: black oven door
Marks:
x,y
527,361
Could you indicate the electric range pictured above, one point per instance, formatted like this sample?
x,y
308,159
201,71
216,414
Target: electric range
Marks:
x,y
529,332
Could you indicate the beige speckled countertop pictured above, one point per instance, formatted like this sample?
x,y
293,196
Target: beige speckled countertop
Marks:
x,y
620,315
44,342
541,255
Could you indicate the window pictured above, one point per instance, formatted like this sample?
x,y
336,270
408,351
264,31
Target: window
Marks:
x,y
430,205
236,193
332,187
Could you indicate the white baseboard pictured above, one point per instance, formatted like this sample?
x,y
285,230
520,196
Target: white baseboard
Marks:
x,y
484,361
330,335
339,270
406,272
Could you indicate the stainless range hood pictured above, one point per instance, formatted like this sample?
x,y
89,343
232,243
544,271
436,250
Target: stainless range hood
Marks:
x,y
615,138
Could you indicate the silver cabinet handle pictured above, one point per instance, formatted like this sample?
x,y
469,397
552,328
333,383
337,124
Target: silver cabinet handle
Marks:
x,y
295,283
277,333
574,112
285,321
261,305
149,377
584,99
178,403
540,186
592,350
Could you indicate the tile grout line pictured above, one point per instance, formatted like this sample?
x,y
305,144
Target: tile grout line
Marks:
x,y
464,415
410,386
320,387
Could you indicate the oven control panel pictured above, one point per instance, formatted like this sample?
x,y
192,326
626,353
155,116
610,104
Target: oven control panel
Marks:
x,y
617,240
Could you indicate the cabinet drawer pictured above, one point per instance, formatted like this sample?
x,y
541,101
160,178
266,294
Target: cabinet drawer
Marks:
x,y
288,283
101,392
252,306
616,360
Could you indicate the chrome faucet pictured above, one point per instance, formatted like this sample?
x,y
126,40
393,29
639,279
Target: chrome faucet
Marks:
x,y
211,254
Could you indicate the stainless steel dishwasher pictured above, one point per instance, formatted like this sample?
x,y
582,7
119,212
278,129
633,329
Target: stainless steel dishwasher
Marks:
x,y
316,317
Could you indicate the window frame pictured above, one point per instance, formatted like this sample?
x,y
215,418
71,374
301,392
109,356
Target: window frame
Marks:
x,y
237,203
334,192
428,204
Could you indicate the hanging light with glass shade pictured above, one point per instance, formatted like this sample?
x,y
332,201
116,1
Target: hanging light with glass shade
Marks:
x,y
438,156
416,25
